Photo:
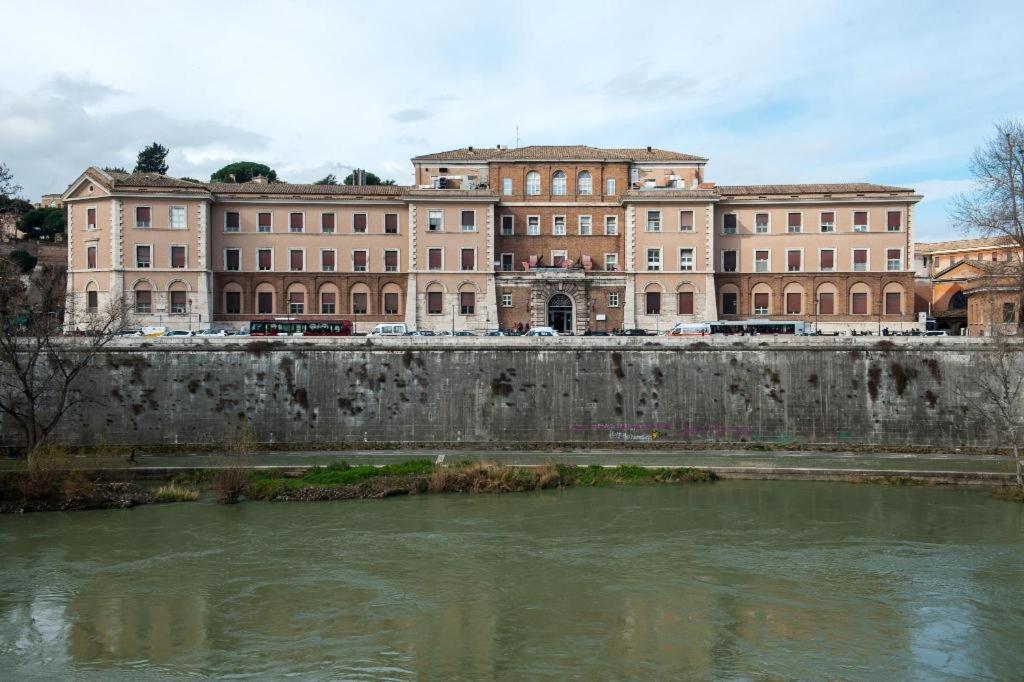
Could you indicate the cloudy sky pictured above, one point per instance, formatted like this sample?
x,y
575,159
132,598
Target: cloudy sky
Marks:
x,y
890,92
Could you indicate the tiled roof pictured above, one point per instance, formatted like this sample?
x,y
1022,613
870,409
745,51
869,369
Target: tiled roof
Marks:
x,y
446,193
287,188
812,188
963,244
666,193
577,152
151,180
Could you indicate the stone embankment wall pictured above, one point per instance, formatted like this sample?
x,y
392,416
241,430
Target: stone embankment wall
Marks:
x,y
322,392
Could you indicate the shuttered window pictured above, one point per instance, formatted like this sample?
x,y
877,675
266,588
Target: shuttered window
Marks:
x,y
860,260
177,256
295,258
90,219
468,221
729,261
761,261
264,222
434,258
860,221
893,303
390,261
144,216
793,303
328,303
653,300
143,301
264,259
233,302
296,222
435,302
327,223
828,221
794,222
359,303
231,221
467,303
793,261
391,223
296,302
761,303
391,304
686,303
90,257
232,260
828,260
859,304
893,259
143,256
686,221
826,304
894,221
265,303
359,222
468,260
359,261
327,261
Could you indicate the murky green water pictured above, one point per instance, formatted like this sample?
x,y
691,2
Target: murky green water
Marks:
x,y
737,579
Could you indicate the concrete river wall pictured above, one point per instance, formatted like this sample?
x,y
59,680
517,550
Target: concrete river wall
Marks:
x,y
521,391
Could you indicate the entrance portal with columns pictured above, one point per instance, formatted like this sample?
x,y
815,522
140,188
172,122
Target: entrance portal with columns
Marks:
x,y
560,316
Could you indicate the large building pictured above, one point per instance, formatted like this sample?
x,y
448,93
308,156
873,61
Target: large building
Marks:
x,y
574,237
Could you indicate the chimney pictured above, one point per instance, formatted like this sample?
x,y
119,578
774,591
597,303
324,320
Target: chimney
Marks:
x,y
471,149
499,146
649,148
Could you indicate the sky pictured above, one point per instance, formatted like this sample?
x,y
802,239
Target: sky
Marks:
x,y
889,92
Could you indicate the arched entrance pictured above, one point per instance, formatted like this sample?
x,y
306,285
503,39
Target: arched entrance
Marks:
x,y
560,313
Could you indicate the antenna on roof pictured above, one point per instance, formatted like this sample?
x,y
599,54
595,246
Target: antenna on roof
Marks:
x,y
517,137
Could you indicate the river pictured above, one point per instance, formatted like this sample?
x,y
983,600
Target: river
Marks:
x,y
746,579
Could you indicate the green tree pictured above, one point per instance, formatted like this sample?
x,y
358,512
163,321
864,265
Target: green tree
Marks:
x,y
198,182
114,169
369,179
153,159
329,179
23,259
43,223
243,171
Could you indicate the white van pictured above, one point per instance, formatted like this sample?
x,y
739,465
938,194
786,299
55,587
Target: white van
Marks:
x,y
389,329
691,329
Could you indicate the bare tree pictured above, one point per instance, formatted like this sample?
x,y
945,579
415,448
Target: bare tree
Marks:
x,y
40,368
994,388
996,206
8,188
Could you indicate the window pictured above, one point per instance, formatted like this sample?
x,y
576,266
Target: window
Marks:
x,y
508,223
654,221
558,258
435,259
609,186
761,303
761,261
296,303
468,221
359,223
467,260
327,223
144,216
264,303
586,225
327,260
1008,309
729,223
435,221
390,223
233,302
859,303
232,260
328,303
826,304
793,260
729,261
435,302
90,219
893,221
143,301
894,305
654,259
177,217
613,299
611,261
143,256
533,225
296,260
685,304
467,303
506,300
686,221
584,185
390,260
179,303
359,303
390,303
264,222
232,223
860,221
730,303
893,259
860,260
359,259
558,225
828,221
611,225
827,260
762,223
507,262
653,302
686,259
793,303
177,256
264,259
506,186
794,223
558,183
533,183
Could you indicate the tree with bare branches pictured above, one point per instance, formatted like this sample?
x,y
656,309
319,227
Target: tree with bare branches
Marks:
x,y
995,208
41,369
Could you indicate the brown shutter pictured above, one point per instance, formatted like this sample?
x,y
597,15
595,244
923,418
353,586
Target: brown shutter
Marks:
x,y
686,220
894,220
730,221
296,297
653,302
828,217
828,260
434,302
860,304
177,256
234,302
793,304
469,218
359,303
468,259
860,256
142,254
142,214
327,257
90,217
467,301
391,304
265,302
729,261
328,297
359,259
686,303
327,222
761,255
892,303
295,260
390,259
825,304
794,219
793,260
860,217
359,222
761,300
232,259
434,259
90,254
391,223
892,254
230,219
295,221
264,220
265,262
143,297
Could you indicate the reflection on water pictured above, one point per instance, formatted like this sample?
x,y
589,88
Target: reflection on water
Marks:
x,y
743,579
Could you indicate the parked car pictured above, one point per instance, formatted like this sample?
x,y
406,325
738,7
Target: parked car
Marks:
x,y
178,333
154,331
542,331
389,329
445,333
465,333
690,329
633,332
495,332
130,332
212,332
596,332
936,332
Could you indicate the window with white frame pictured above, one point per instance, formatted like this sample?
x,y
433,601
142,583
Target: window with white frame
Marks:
x,y
360,260
506,300
686,221
611,261
90,218
613,299
827,260
264,259
468,221
232,260
359,223
507,262
686,259
558,257
232,222
143,256
264,222
533,225
558,183
828,221
860,221
762,223
558,225
860,260
729,223
654,259
327,223
179,256
533,183
435,221
609,186
296,222
794,260
893,259
508,223
794,223
328,260
506,186
584,184
654,221
144,216
893,221
390,260
761,263
296,260
177,218
585,225
611,225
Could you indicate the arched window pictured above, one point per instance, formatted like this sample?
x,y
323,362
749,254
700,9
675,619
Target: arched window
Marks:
x,y
359,299
233,299
390,299
143,297
533,183
297,300
584,184
558,183
265,295
329,299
